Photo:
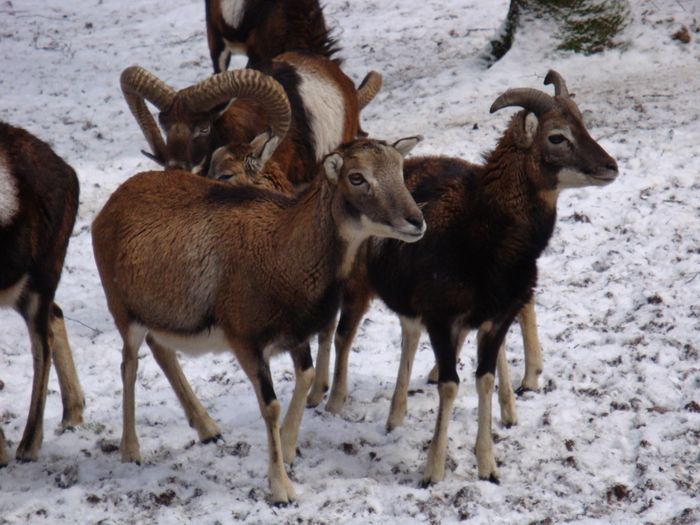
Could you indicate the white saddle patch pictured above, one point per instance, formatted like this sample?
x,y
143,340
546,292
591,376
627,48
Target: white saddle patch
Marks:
x,y
323,102
9,193
232,11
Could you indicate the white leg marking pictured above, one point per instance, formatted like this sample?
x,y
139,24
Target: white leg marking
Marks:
x,y
484,440
130,444
435,465
533,350
292,421
196,414
410,336
323,357
71,393
506,396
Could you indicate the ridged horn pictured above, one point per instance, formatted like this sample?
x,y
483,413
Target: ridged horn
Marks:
x,y
555,78
533,100
139,85
242,83
369,87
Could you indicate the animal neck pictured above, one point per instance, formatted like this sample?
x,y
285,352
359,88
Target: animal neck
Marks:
x,y
512,176
329,245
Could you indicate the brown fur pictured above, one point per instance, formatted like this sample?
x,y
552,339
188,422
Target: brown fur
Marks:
x,y
270,284
296,156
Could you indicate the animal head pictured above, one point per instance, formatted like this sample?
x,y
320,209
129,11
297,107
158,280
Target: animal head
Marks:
x,y
369,175
242,163
188,116
552,127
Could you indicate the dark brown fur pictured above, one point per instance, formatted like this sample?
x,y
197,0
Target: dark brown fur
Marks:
x,y
33,245
269,28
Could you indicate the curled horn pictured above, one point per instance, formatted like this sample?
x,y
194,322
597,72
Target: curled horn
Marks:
x,y
243,83
555,78
369,87
139,85
533,100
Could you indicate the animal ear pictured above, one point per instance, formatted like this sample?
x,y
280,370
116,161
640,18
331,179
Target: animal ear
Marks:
x,y
263,147
332,165
526,130
406,144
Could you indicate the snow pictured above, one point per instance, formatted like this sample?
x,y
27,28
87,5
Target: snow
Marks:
x,y
611,437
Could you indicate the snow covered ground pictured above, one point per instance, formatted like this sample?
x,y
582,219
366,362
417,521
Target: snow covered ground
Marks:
x,y
614,435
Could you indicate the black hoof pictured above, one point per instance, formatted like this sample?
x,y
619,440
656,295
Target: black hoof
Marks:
x,y
425,483
491,479
521,390
431,382
213,439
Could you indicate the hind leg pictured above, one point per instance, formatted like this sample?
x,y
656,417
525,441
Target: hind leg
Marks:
x,y
320,384
533,349
71,392
196,414
4,456
132,336
35,311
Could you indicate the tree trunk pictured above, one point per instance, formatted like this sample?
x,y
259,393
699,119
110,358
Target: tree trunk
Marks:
x,y
579,26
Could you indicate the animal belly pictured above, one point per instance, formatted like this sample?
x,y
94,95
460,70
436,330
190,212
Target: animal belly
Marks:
x,y
10,295
206,341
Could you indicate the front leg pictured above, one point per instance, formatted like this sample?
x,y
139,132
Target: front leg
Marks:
x,y
444,337
356,297
257,369
304,376
410,336
490,341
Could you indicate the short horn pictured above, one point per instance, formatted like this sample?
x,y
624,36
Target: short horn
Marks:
x,y
555,78
242,83
369,87
533,100
139,85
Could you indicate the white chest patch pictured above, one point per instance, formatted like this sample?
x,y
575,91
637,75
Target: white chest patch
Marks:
x,y
9,194
195,344
232,11
324,106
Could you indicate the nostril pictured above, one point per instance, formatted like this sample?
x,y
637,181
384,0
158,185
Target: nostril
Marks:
x,y
415,220
612,166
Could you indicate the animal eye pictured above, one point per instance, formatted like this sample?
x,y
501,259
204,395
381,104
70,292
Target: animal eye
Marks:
x,y
203,130
356,179
224,176
557,139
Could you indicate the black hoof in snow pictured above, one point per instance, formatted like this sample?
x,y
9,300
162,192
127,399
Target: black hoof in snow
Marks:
x,y
491,479
522,390
213,439
425,483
